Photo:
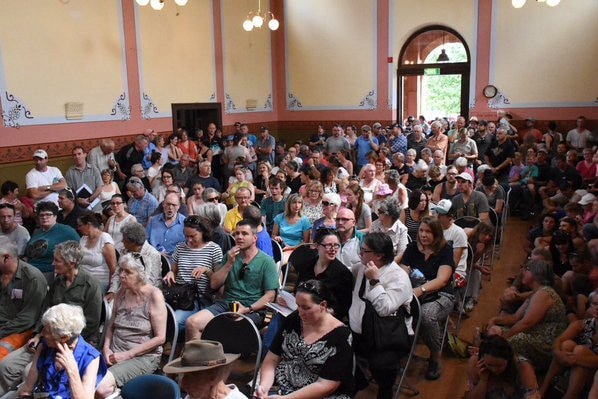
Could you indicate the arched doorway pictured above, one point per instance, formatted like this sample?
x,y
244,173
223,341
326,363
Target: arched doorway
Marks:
x,y
433,74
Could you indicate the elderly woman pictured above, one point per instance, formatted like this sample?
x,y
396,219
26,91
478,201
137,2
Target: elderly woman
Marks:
x,y
99,255
409,163
417,208
212,196
368,182
331,202
312,205
398,164
135,242
389,222
432,256
309,333
399,191
354,199
194,261
166,180
40,248
496,371
137,330
387,287
419,177
211,214
65,365
204,368
538,321
575,350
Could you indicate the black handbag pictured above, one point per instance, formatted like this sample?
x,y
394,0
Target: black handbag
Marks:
x,y
181,296
387,333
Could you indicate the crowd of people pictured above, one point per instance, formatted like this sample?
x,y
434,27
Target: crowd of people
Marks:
x,y
366,221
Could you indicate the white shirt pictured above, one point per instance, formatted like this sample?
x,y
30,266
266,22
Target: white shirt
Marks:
x,y
393,290
234,394
457,236
35,178
100,160
576,139
397,232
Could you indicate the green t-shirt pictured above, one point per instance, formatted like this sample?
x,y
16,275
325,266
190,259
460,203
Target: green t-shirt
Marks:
x,y
260,276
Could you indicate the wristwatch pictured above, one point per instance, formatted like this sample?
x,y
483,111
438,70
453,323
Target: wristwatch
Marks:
x,y
374,281
423,289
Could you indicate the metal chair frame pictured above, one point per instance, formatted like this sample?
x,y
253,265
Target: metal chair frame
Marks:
x,y
415,324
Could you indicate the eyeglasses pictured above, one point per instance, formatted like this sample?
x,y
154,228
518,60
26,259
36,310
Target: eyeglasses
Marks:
x,y
331,246
314,191
342,220
244,269
45,215
326,203
213,199
309,287
116,203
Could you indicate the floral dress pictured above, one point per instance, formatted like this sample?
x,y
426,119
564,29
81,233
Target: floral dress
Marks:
x,y
301,364
536,343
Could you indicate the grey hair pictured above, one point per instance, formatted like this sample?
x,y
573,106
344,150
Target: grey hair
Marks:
x,y
426,151
207,192
64,320
333,198
70,251
8,246
461,161
542,271
135,166
421,165
210,212
135,183
393,175
134,232
412,152
392,207
436,123
502,129
130,261
400,156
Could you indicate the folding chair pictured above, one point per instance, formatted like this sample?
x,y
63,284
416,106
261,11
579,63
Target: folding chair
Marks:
x,y
237,334
470,256
151,386
467,221
277,252
231,240
172,331
105,317
415,324
494,219
303,253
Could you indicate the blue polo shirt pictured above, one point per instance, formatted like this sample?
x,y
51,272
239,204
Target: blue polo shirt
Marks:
x,y
165,238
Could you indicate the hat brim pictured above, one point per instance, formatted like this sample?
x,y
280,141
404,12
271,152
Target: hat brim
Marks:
x,y
176,366
440,211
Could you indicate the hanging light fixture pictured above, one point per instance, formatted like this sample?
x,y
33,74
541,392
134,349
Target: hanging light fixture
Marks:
x,y
443,56
255,19
159,4
521,3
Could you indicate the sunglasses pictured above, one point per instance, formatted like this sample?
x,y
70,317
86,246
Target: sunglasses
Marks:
x,y
331,246
326,203
213,199
243,271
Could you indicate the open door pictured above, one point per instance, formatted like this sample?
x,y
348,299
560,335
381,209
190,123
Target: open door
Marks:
x,y
196,116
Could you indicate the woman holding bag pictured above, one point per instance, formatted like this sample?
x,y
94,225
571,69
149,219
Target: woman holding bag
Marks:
x,y
431,264
387,287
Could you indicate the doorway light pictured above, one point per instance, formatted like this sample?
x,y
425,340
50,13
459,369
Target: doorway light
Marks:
x,y
443,56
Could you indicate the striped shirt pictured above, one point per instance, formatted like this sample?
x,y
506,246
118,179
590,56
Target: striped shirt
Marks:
x,y
187,259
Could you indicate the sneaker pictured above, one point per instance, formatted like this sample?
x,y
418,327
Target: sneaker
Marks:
x,y
434,370
469,305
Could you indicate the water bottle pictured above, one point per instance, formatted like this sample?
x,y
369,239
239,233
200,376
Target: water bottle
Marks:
x,y
417,278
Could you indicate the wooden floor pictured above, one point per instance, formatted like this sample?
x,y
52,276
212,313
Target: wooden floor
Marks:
x,y
454,377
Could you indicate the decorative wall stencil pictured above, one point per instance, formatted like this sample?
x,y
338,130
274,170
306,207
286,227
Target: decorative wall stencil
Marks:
x,y
147,107
499,101
229,104
293,102
268,104
369,101
122,108
14,113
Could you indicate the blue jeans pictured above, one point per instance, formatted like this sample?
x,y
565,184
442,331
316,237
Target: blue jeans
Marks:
x,y
182,316
273,329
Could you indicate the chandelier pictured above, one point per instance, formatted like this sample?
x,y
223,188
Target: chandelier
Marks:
x,y
521,3
255,19
159,4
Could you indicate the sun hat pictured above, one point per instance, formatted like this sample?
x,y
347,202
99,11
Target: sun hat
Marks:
x,y
198,355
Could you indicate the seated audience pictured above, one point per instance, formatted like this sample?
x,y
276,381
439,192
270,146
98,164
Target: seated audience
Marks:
x,y
70,211
312,203
387,288
141,204
351,238
432,256
308,333
10,229
165,230
497,372
264,242
203,369
331,202
389,212
274,204
10,196
417,208
538,321
137,329
291,228
354,199
64,364
235,215
115,222
99,255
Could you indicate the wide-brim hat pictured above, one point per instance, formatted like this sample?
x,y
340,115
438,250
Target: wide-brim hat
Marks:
x,y
198,355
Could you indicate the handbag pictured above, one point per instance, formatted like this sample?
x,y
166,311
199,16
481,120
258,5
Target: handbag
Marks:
x,y
181,296
388,333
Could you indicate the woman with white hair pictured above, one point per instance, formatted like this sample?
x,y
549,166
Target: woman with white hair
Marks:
x,y
330,204
389,213
65,365
137,330
418,178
